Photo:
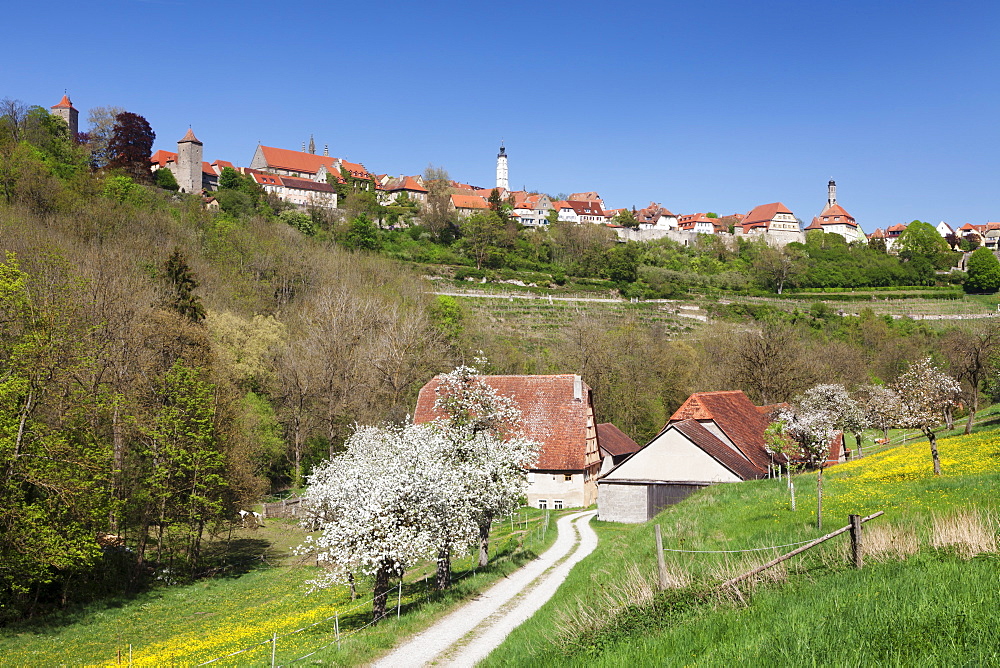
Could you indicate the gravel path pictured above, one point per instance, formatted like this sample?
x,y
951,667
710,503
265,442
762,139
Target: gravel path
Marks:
x,y
471,632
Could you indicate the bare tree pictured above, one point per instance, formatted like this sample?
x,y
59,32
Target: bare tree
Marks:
x,y
13,116
101,127
438,183
970,355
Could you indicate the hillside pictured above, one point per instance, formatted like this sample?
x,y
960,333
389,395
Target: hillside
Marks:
x,y
926,596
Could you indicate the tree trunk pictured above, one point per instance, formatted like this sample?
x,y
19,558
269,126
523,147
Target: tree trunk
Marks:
x,y
885,435
484,540
949,418
444,567
380,591
972,414
857,439
350,582
929,433
819,498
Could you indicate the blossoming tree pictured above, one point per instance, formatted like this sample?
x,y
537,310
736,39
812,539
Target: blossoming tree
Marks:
x,y
925,394
391,499
487,445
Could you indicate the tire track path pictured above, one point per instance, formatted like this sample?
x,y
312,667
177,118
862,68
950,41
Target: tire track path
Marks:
x,y
468,634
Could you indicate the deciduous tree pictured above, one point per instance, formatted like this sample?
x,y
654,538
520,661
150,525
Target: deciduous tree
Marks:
x,y
131,146
925,393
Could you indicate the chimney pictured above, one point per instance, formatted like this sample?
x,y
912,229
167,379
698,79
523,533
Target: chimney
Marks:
x,y
577,388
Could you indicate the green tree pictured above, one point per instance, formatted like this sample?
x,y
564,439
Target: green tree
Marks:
x,y
483,233
623,263
983,270
778,267
362,234
626,218
182,283
164,178
921,239
299,220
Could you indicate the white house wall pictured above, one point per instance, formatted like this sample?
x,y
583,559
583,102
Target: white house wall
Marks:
x,y
671,456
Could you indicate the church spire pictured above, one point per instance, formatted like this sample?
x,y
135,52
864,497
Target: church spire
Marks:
x,y
831,190
312,145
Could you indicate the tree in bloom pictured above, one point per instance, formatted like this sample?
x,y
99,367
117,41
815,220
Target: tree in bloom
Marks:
x,y
391,499
814,421
881,406
925,394
487,445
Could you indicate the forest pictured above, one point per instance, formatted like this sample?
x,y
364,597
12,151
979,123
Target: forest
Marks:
x,y
163,366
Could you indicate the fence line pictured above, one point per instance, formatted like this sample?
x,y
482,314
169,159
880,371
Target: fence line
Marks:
x,y
364,603
749,549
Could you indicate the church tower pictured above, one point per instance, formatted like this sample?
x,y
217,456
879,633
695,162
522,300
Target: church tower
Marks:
x,y
189,157
831,193
64,110
502,181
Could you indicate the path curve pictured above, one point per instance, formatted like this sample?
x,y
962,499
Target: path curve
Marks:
x,y
468,634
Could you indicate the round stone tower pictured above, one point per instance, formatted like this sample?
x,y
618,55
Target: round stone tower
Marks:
x,y
189,157
502,181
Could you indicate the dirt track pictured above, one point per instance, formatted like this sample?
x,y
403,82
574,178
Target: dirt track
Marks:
x,y
470,633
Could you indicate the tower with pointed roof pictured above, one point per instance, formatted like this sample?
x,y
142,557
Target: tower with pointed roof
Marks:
x,y
831,193
502,180
189,158
64,110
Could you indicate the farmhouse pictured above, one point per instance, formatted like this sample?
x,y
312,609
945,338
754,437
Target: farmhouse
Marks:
x,y
713,437
558,412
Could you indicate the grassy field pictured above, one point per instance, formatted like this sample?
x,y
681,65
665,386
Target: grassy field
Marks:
x,y
929,593
191,624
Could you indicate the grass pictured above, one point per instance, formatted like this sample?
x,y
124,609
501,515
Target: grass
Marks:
x,y
929,593
186,625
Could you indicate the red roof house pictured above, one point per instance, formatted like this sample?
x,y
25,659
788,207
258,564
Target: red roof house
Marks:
x,y
558,412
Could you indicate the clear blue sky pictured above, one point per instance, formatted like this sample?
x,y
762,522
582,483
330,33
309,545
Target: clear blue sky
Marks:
x,y
715,105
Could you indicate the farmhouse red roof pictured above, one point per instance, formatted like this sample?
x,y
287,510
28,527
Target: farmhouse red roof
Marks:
x,y
550,414
711,444
614,440
735,415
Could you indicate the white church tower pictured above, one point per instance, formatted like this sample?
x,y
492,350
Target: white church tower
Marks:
x,y
831,193
502,181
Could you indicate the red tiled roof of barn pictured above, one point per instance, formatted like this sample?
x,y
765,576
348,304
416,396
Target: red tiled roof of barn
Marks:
x,y
735,415
549,414
614,440
721,452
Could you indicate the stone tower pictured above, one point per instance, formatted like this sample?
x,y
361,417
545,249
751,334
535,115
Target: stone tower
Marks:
x,y
831,193
502,181
188,169
64,110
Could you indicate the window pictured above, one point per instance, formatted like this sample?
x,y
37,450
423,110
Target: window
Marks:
x,y
557,505
543,504
568,477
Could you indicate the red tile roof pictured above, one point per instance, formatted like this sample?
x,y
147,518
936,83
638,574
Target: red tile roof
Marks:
x,y
718,450
584,197
163,157
64,103
735,415
830,215
469,202
189,136
306,184
765,213
549,414
614,440
222,164
296,161
586,207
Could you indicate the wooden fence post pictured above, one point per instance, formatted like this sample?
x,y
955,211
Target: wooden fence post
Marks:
x,y
274,646
856,547
660,563
336,627
399,597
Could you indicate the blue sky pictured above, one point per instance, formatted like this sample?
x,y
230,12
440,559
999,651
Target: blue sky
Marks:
x,y
711,106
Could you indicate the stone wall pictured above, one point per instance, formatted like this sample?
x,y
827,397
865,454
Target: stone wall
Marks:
x,y
621,502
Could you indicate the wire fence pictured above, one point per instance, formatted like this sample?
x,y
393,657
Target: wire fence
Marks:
x,y
538,532
749,549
